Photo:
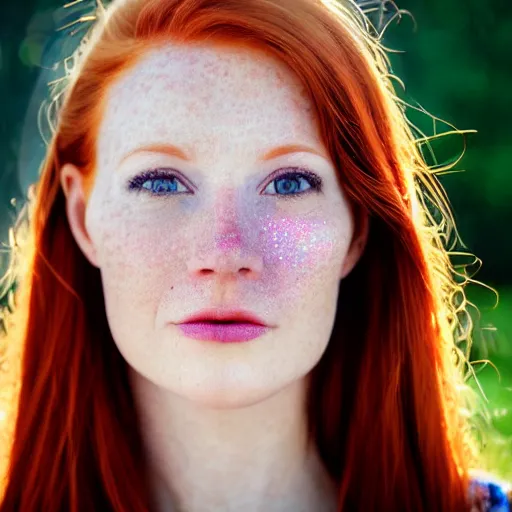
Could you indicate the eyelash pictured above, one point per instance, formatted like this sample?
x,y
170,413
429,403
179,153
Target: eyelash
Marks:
x,y
294,173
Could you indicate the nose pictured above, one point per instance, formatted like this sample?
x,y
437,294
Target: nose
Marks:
x,y
227,248
228,257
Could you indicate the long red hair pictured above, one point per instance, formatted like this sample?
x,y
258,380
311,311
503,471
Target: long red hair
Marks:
x,y
385,402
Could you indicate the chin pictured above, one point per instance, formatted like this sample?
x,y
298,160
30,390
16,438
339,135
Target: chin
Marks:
x,y
218,397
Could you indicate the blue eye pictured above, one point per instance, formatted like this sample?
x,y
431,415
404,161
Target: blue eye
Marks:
x,y
289,183
161,182
157,182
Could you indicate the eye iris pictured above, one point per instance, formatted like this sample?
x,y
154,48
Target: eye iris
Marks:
x,y
289,185
160,185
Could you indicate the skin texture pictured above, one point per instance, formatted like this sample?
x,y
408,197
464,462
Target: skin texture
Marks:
x,y
224,424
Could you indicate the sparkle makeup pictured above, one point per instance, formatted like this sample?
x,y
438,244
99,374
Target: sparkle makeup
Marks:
x,y
298,243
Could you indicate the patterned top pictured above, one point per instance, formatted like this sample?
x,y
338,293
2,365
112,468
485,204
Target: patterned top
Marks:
x,y
488,495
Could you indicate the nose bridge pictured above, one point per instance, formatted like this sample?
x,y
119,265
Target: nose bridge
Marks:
x,y
226,246
227,221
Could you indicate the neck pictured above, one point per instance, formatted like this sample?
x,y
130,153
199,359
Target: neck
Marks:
x,y
252,458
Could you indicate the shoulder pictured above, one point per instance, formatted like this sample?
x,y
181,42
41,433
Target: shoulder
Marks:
x,y
488,494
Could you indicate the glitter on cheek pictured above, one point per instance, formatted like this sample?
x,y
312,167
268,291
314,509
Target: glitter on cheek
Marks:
x,y
299,243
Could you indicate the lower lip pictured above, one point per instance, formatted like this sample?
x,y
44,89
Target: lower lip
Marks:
x,y
225,333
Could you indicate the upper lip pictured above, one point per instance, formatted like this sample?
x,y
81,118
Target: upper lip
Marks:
x,y
224,315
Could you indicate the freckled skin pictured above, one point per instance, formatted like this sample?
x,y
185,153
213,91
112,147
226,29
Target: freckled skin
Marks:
x,y
226,108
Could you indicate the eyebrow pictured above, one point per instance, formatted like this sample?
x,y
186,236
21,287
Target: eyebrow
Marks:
x,y
171,150
290,148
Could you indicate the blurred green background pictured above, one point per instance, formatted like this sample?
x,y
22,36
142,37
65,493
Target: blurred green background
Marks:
x,y
456,63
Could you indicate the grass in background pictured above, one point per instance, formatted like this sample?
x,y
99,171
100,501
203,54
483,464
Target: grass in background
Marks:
x,y
492,338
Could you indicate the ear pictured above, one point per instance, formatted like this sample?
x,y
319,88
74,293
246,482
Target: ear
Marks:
x,y
357,245
71,180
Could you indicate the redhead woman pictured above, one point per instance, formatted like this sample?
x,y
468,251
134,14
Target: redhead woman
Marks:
x,y
235,295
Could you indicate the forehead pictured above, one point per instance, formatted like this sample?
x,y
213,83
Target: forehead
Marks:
x,y
206,98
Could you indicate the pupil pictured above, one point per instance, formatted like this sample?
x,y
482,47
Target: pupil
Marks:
x,y
286,184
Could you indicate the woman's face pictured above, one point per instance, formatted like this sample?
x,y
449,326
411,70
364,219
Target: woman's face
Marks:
x,y
220,226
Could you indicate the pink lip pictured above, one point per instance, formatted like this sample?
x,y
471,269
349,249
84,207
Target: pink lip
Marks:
x,y
224,315
204,325
226,333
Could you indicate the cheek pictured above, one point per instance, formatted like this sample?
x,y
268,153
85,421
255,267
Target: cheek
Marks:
x,y
136,254
302,254
299,245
